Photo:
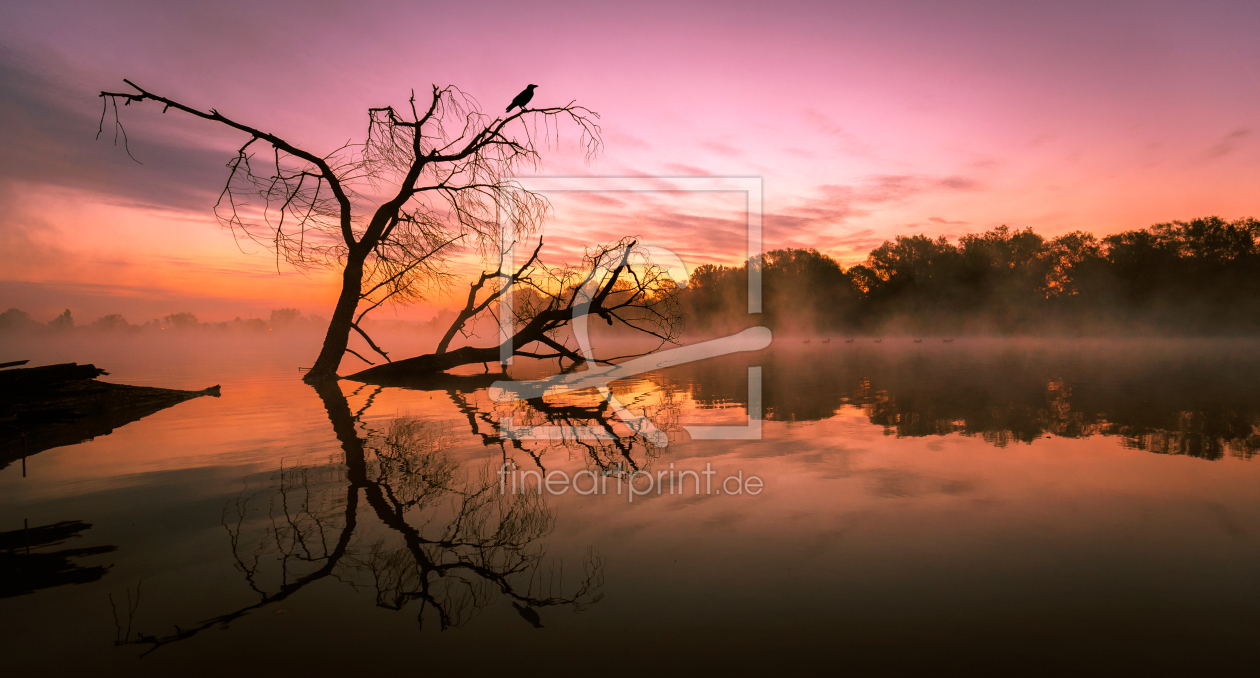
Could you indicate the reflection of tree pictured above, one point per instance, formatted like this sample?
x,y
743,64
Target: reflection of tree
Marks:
x,y
1178,400
585,423
447,539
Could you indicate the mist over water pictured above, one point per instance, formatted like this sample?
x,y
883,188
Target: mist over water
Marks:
x,y
1041,504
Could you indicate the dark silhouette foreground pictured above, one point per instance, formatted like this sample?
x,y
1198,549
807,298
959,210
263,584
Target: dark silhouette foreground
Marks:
x,y
26,564
452,166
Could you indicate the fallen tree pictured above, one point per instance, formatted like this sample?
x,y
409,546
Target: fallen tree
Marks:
x,y
619,284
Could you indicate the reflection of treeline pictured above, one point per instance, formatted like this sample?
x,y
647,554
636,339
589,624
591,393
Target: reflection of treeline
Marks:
x,y
16,320
1198,398
1201,276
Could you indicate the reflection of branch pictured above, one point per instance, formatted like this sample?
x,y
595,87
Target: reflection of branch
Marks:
x,y
573,415
488,545
284,591
121,634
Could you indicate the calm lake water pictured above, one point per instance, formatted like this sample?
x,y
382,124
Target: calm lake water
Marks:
x,y
1019,506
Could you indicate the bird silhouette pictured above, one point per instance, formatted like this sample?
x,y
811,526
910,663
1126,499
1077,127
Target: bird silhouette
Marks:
x,y
529,614
522,99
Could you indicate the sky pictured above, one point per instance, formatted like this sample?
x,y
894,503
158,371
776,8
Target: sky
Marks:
x,y
864,120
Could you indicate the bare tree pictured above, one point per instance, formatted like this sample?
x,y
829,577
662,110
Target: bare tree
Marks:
x,y
390,210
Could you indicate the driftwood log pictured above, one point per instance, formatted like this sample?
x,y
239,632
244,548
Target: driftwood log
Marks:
x,y
57,405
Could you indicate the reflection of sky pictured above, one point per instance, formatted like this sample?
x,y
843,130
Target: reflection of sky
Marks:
x,y
858,537
866,120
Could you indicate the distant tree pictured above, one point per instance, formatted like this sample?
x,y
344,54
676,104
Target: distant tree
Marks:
x,y
803,290
16,320
111,323
912,261
1005,272
63,322
1068,257
442,166
715,294
1203,273
806,290
256,324
181,321
285,317
909,275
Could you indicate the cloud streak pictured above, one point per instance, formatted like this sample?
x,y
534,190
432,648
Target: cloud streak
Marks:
x,y
49,138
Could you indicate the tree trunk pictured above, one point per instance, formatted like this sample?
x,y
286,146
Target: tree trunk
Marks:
x,y
401,372
338,336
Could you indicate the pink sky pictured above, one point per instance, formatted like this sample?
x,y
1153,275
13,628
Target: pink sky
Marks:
x,y
865,120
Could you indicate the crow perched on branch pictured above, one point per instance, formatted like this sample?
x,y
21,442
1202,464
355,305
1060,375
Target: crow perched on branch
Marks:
x,y
522,99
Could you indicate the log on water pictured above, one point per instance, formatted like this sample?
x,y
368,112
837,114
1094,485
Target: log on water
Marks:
x,y
411,370
438,381
57,405
13,381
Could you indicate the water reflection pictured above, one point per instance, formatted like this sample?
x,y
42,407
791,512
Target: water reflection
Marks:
x,y
23,570
585,422
1175,401
234,510
430,533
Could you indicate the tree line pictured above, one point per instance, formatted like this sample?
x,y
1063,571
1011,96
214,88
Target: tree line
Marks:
x,y
17,320
1182,277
